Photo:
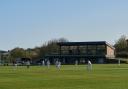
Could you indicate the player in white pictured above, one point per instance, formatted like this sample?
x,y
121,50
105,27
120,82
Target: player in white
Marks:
x,y
56,64
43,63
89,66
48,63
28,64
76,63
15,65
59,65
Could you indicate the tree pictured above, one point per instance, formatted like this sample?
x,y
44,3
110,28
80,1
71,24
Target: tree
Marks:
x,y
121,47
50,47
17,53
31,53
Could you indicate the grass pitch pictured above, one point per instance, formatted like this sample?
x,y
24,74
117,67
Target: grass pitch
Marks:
x,y
68,77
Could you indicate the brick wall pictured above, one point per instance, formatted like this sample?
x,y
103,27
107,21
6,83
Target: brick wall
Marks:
x,y
110,52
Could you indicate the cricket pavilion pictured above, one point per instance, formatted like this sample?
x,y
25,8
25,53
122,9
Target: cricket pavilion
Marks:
x,y
96,52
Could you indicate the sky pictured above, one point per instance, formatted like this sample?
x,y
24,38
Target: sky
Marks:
x,y
31,23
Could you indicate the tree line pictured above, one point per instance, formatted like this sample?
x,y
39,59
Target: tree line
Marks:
x,y
50,47
34,54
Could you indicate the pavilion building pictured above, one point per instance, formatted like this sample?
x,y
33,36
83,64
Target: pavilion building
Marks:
x,y
96,52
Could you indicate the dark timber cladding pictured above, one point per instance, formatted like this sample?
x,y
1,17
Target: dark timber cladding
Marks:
x,y
98,52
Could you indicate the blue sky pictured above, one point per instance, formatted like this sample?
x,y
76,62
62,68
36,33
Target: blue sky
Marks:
x,y
30,23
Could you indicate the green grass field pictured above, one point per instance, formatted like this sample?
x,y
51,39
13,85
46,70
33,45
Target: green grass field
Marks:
x,y
69,77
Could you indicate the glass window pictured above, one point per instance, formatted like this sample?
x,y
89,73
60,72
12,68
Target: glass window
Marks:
x,y
101,50
65,50
91,49
82,49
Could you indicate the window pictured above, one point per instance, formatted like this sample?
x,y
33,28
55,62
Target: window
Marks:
x,y
101,50
82,49
91,49
65,50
